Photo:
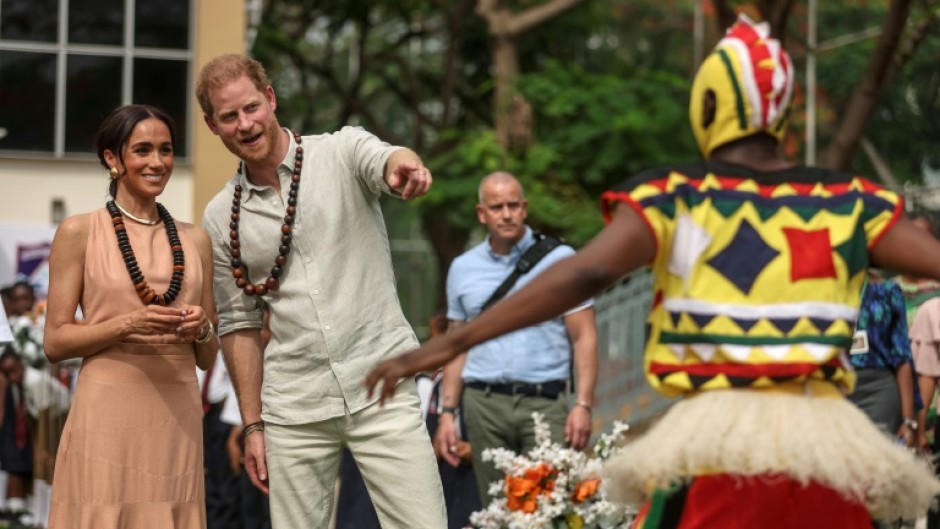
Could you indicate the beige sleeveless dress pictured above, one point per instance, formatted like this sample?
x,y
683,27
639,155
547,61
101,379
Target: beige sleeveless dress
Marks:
x,y
131,456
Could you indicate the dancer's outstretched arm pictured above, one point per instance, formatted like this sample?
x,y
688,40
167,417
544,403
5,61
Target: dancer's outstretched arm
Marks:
x,y
909,250
623,246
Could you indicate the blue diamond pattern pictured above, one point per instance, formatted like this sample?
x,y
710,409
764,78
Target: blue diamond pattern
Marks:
x,y
744,258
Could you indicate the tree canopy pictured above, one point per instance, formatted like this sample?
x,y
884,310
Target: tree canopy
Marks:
x,y
597,90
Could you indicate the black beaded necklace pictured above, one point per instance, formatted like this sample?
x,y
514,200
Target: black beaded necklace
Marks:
x,y
146,294
239,269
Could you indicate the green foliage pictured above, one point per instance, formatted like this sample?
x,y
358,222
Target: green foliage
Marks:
x,y
593,131
905,126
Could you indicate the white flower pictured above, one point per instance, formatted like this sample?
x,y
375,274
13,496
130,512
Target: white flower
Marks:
x,y
546,480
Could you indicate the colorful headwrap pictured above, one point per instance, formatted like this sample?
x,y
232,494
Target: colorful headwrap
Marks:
x,y
752,78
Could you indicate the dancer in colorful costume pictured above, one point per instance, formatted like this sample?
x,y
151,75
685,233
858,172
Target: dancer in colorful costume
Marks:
x,y
759,265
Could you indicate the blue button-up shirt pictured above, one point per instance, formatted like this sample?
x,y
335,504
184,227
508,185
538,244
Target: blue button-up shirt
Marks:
x,y
535,354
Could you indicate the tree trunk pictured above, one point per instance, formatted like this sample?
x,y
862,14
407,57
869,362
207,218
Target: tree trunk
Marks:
x,y
776,12
858,111
512,114
511,131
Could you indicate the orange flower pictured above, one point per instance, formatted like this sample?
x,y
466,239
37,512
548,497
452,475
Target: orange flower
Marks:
x,y
523,491
585,489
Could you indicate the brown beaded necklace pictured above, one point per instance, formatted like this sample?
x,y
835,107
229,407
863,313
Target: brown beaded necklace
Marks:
x,y
144,292
239,269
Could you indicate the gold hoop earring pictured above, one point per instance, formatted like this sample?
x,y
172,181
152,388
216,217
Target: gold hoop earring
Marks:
x,y
113,172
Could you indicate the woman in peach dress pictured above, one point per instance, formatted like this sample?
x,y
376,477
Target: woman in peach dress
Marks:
x,y
131,456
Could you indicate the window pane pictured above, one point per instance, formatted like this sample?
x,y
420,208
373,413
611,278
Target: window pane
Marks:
x,y
163,24
163,83
93,88
29,20
96,22
27,97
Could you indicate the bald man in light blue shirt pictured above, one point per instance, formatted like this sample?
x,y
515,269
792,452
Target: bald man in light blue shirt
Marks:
x,y
505,380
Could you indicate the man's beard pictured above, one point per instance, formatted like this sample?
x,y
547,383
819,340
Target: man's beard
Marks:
x,y
268,139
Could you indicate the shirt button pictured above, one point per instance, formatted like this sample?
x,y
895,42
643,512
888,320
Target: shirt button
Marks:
x,y
316,292
307,260
274,202
327,327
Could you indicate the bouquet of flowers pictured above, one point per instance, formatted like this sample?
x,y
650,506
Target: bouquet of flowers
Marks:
x,y
552,487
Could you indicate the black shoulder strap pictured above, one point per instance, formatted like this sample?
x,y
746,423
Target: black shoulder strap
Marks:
x,y
544,244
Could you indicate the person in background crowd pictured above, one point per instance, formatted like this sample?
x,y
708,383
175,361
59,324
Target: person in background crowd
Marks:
x,y
222,498
23,298
758,266
6,298
881,356
144,284
503,381
17,429
461,494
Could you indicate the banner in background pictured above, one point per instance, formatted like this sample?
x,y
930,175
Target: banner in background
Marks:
x,y
24,255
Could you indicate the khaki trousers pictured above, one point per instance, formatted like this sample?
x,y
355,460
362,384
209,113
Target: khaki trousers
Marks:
x,y
505,421
392,449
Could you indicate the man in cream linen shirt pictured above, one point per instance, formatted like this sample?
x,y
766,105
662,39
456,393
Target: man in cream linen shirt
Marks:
x,y
334,309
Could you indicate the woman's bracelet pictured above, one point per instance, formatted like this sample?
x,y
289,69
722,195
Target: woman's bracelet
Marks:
x,y
252,428
208,334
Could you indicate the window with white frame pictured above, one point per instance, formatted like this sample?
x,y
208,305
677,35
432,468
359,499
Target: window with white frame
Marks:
x,y
64,64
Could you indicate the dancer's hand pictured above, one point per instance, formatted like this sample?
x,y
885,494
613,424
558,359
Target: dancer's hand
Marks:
x,y
433,354
445,439
256,463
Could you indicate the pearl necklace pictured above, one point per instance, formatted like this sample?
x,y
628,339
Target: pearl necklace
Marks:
x,y
239,268
135,218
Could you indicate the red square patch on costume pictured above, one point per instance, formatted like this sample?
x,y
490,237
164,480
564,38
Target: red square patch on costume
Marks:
x,y
810,254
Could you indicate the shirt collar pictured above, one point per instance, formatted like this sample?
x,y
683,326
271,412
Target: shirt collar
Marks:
x,y
528,239
284,171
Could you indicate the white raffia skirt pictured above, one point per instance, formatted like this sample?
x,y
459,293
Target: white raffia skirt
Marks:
x,y
808,432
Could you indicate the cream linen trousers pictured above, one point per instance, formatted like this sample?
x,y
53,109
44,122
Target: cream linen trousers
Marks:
x,y
392,449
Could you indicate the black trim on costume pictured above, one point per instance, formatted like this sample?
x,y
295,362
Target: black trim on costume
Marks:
x,y
674,506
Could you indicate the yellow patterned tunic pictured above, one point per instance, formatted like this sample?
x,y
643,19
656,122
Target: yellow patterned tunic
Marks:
x,y
758,274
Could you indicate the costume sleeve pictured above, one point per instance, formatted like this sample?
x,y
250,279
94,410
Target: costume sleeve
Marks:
x,y
882,210
651,195
365,154
236,310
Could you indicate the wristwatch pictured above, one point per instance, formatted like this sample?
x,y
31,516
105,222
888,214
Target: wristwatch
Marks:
x,y
911,423
447,409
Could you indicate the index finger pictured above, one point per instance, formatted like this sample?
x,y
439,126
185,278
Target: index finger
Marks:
x,y
413,179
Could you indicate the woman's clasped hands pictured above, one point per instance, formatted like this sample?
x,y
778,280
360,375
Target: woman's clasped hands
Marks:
x,y
188,322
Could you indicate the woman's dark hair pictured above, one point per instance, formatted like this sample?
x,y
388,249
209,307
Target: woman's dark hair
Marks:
x,y
117,128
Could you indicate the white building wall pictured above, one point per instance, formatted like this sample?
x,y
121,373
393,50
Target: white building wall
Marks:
x,y
28,187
